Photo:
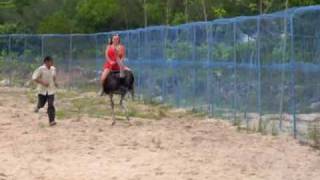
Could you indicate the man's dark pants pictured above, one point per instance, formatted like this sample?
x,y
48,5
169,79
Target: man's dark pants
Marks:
x,y
42,99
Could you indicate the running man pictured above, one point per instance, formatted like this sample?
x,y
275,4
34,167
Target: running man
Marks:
x,y
45,77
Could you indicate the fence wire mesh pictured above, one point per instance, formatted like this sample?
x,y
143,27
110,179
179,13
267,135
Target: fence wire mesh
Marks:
x,y
258,72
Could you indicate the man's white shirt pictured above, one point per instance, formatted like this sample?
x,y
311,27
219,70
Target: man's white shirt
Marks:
x,y
46,75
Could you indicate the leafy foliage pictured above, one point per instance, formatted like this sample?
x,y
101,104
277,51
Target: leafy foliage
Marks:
x,y
78,16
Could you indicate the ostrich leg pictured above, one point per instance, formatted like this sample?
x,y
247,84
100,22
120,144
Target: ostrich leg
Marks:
x,y
124,107
112,109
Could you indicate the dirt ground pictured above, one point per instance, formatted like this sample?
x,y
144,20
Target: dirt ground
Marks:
x,y
171,148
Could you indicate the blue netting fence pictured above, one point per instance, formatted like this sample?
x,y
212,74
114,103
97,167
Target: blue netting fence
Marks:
x,y
258,72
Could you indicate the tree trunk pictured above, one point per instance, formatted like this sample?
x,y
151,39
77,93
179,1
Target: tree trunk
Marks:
x,y
167,13
126,16
186,11
268,6
145,13
260,7
204,9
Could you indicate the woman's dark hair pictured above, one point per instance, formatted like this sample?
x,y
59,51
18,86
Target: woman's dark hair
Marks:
x,y
47,59
110,41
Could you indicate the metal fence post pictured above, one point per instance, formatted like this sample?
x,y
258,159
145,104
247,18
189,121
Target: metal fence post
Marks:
x,y
259,71
234,74
9,49
293,78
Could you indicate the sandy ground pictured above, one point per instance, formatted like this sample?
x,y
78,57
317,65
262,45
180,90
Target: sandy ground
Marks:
x,y
148,150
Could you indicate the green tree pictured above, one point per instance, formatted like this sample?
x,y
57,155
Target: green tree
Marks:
x,y
95,15
56,23
78,16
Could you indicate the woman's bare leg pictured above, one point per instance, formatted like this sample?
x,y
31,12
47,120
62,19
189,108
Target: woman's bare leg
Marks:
x,y
104,75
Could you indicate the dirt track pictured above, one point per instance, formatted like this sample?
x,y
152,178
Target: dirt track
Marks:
x,y
150,150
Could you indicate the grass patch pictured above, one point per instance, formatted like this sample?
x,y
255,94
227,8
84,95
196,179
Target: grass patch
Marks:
x,y
63,94
76,104
41,125
274,128
263,127
32,97
62,114
237,122
314,134
195,113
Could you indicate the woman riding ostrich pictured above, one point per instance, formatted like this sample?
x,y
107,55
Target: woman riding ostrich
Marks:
x,y
116,78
